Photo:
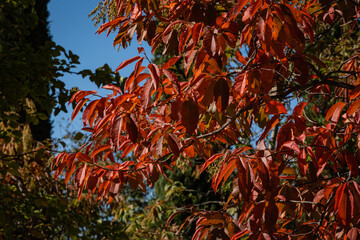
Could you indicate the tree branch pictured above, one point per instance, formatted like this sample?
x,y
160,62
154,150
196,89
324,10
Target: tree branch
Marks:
x,y
314,84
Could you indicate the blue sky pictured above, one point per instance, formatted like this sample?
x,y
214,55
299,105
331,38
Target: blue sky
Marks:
x,y
71,28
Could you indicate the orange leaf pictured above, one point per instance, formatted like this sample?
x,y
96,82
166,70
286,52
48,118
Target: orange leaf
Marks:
x,y
103,27
240,150
100,149
240,234
172,216
224,173
240,58
196,32
334,112
173,79
127,62
81,94
355,93
211,160
71,167
236,9
89,111
78,108
83,157
200,233
353,107
170,62
270,125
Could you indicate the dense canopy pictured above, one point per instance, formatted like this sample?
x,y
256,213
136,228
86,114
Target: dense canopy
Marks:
x,y
262,94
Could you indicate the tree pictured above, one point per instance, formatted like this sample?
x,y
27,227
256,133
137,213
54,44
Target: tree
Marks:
x,y
33,205
252,65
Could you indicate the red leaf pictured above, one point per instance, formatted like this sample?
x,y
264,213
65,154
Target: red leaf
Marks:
x,y
200,233
132,129
61,161
189,115
174,144
291,145
260,27
116,89
115,188
89,111
221,94
146,94
250,11
302,161
271,216
114,22
155,75
274,107
352,163
353,234
92,181
334,112
80,175
115,131
142,77
140,49
78,108
213,45
339,206
127,62
298,110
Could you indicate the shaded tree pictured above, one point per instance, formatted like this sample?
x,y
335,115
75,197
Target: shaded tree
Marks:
x,y
33,205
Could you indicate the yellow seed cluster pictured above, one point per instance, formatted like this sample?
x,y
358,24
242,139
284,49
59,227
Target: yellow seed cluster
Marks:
x,y
103,12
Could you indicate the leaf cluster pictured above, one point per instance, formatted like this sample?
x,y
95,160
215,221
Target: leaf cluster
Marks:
x,y
300,178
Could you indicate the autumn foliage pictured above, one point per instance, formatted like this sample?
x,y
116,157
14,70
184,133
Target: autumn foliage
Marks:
x,y
250,66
